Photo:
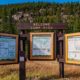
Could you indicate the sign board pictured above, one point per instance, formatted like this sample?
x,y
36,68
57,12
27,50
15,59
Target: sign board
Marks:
x,y
72,48
41,45
22,59
8,48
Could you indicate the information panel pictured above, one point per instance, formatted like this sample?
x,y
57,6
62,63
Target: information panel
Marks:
x,y
8,48
41,45
72,44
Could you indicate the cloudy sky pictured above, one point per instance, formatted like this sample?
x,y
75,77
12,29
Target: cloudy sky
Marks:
x,y
22,1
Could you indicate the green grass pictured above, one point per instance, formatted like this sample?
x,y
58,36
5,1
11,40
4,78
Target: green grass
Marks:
x,y
12,76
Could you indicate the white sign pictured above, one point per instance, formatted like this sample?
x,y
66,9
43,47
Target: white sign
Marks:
x,y
74,48
41,45
21,58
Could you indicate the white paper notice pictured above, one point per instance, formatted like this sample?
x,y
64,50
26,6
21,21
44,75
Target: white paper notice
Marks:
x,y
74,48
41,45
21,58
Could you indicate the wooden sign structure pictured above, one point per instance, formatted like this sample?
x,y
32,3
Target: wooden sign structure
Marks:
x,y
72,48
42,46
25,29
9,45
8,48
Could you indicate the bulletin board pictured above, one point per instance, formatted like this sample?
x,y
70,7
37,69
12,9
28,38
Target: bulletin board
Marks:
x,y
72,48
8,48
42,45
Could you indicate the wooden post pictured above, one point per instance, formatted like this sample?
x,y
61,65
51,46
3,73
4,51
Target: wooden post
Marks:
x,y
55,38
22,74
61,64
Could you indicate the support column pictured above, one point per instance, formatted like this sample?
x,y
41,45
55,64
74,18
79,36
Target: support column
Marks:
x,y
22,70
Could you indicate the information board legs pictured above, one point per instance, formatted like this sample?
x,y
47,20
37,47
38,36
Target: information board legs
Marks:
x,y
22,72
61,69
61,64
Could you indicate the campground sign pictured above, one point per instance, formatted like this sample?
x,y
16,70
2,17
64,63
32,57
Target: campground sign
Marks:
x,y
45,43
41,46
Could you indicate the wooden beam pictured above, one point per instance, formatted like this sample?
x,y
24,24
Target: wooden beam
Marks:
x,y
24,26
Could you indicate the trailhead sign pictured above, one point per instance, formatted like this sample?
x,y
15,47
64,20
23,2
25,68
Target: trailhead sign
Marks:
x,y
73,48
41,45
8,48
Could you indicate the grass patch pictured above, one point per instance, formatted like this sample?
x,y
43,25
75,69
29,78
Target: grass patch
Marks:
x,y
40,70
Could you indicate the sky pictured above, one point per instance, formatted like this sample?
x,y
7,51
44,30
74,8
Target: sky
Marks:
x,y
3,2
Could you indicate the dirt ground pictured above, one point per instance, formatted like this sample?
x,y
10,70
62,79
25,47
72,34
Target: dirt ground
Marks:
x,y
49,70
41,70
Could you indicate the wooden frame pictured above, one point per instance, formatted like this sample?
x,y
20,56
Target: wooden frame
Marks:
x,y
70,61
47,57
16,58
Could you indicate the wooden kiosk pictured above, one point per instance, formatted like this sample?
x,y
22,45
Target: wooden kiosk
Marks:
x,y
26,28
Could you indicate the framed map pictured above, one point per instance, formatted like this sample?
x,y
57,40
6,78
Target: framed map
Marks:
x,y
41,45
8,48
72,48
